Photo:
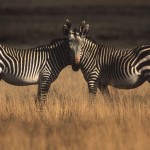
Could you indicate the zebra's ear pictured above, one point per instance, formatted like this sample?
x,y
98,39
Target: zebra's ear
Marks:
x,y
66,27
83,29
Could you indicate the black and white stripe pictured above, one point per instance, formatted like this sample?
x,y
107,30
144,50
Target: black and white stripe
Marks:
x,y
40,65
120,68
102,66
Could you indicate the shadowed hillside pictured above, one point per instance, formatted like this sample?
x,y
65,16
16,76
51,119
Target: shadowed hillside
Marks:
x,y
119,26
43,3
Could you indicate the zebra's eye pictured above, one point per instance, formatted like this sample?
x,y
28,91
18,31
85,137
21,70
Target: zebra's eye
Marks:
x,y
70,42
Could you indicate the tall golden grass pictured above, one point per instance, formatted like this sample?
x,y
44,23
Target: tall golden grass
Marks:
x,y
69,123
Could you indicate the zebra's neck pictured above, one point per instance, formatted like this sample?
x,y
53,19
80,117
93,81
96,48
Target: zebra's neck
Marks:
x,y
91,51
56,52
88,53
89,47
59,50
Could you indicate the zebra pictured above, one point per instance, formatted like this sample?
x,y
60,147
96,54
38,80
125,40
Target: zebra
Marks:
x,y
40,65
102,66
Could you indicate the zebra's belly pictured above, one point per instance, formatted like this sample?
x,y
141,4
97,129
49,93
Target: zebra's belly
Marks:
x,y
127,83
20,81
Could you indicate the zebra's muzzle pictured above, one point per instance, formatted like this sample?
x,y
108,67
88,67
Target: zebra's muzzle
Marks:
x,y
75,67
77,59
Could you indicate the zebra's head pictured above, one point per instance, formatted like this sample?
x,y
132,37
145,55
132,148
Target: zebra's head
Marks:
x,y
76,39
67,31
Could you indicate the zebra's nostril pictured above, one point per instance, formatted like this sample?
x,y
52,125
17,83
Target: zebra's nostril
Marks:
x,y
77,59
75,67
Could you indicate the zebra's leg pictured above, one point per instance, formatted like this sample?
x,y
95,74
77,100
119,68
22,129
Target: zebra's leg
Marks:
x,y
0,76
147,76
92,85
105,91
0,73
43,89
148,79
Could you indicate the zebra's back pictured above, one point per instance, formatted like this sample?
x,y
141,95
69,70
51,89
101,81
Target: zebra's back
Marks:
x,y
22,66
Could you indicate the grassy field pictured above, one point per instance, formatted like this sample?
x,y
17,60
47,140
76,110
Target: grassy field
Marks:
x,y
68,123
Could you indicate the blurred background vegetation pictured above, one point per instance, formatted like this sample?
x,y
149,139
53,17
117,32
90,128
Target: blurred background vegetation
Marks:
x,y
119,23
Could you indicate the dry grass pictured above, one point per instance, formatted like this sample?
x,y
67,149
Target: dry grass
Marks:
x,y
68,123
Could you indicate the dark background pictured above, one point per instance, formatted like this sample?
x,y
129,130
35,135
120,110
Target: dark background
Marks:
x,y
119,23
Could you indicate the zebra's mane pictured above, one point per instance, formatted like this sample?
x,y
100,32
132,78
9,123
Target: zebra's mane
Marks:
x,y
91,40
40,47
124,50
57,40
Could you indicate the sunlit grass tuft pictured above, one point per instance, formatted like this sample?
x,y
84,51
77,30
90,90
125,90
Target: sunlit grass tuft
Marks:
x,y
68,121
